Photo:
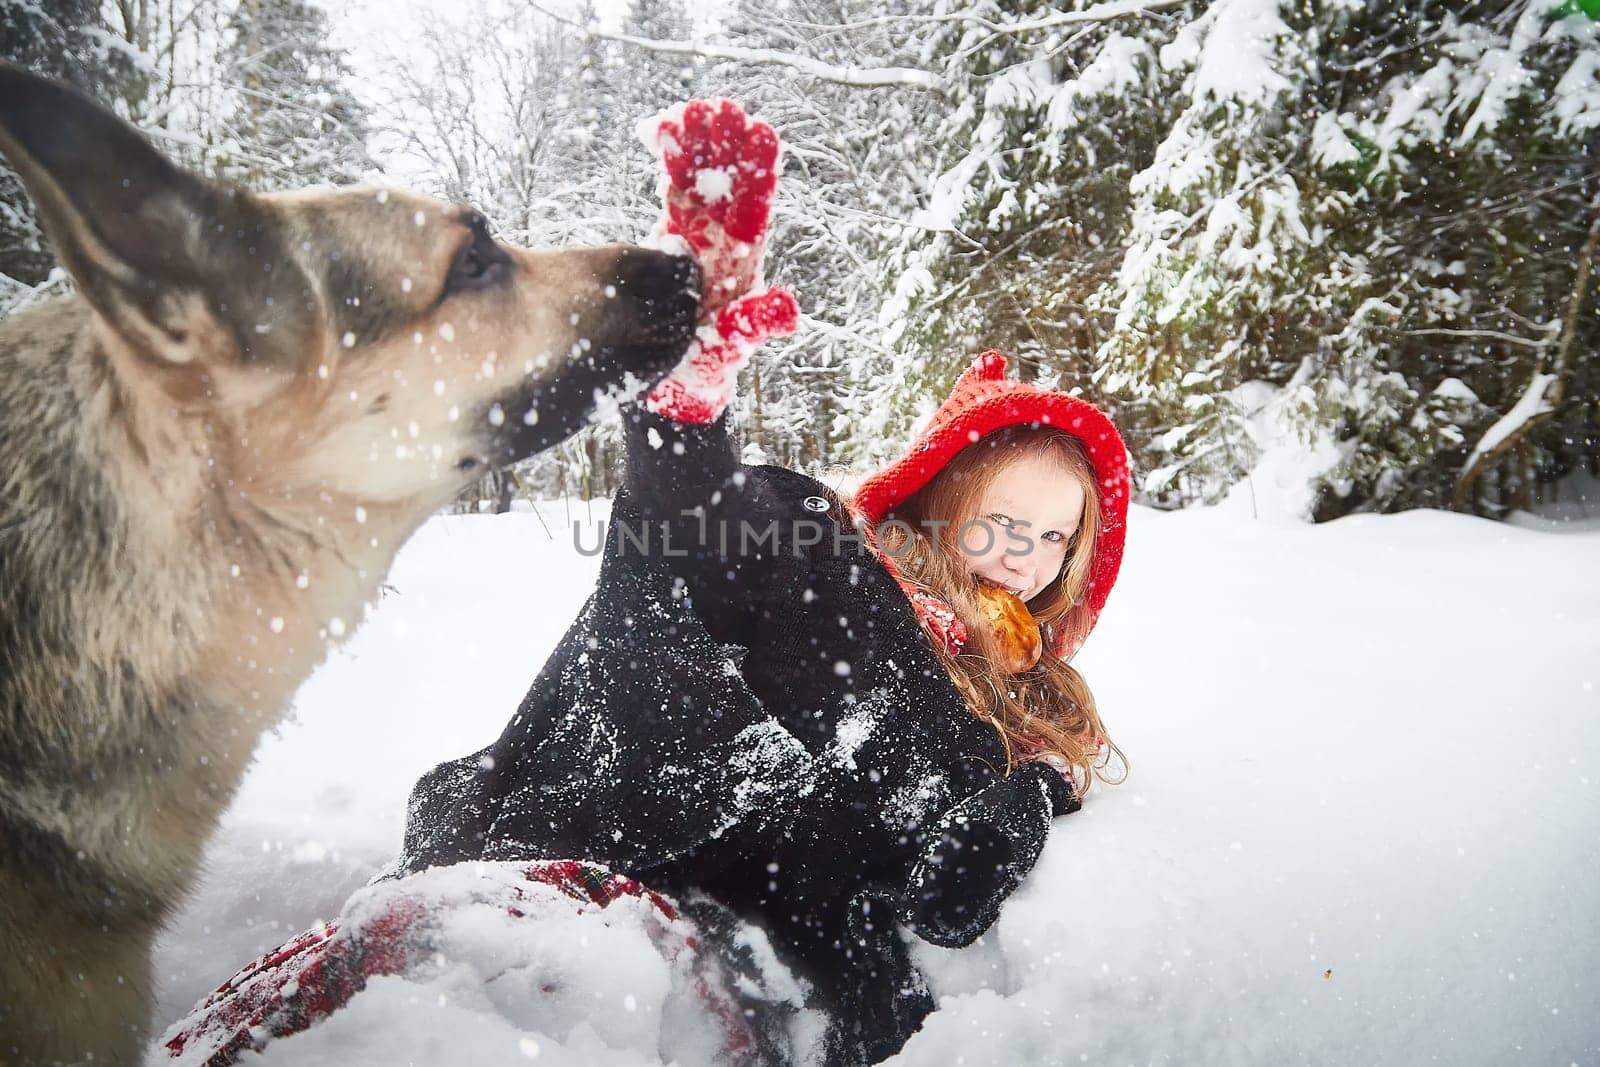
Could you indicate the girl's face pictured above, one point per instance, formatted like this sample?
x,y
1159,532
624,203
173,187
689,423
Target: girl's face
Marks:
x,y
1025,520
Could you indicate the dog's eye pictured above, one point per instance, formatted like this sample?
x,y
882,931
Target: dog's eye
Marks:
x,y
481,262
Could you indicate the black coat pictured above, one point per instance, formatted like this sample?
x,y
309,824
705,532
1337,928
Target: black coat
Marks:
x,y
747,707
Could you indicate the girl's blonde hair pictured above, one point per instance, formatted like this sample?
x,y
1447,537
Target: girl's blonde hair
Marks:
x,y
1048,711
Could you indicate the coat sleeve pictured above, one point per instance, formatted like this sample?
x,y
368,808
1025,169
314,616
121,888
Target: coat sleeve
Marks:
x,y
680,473
979,852
686,502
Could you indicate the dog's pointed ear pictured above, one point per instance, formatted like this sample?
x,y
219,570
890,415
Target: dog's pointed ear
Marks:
x,y
162,255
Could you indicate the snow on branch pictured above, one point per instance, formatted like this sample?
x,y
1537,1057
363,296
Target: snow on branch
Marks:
x,y
1544,393
1099,13
868,77
1534,402
1496,335
858,77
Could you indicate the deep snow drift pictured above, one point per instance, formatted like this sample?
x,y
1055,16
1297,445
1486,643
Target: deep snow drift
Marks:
x,y
1362,821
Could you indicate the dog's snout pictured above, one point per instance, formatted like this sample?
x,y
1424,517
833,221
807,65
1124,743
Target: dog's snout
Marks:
x,y
657,296
657,277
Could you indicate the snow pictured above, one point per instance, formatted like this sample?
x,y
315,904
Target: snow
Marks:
x,y
1533,403
1576,101
1025,85
1117,68
1360,822
714,184
1414,114
498,963
1237,61
1455,389
1575,506
1330,144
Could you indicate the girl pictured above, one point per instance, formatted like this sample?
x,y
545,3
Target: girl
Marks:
x,y
796,706
784,707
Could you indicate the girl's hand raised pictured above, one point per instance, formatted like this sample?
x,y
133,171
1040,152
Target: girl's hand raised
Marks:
x,y
721,171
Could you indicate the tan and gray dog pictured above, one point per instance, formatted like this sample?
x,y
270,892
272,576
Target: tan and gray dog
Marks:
x,y
208,459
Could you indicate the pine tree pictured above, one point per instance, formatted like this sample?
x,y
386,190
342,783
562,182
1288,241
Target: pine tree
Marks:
x,y
1359,224
1032,204
604,172
1461,140
296,121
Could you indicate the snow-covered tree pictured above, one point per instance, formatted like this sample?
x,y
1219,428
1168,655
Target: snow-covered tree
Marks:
x,y
1377,210
294,120
530,116
857,136
247,90
1365,231
1463,151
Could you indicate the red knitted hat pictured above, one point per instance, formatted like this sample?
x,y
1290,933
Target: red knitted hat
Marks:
x,y
983,401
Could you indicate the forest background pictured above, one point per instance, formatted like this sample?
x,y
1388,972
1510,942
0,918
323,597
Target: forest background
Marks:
x,y
1349,243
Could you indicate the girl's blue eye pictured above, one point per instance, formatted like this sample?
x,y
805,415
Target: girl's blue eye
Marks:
x,y
1001,520
1055,537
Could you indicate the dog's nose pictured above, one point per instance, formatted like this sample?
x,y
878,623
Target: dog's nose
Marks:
x,y
657,277
659,296
688,276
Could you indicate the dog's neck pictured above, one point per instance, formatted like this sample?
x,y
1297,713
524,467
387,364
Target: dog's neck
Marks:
x,y
266,561
137,535
242,585
227,588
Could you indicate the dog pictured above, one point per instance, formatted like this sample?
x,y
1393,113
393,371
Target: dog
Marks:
x,y
209,457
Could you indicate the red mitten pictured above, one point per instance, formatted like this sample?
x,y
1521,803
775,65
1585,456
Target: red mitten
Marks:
x,y
701,386
721,169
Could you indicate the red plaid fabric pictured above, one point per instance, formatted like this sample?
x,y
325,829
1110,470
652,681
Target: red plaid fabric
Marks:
x,y
297,985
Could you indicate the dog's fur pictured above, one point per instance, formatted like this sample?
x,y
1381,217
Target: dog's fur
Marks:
x,y
208,459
